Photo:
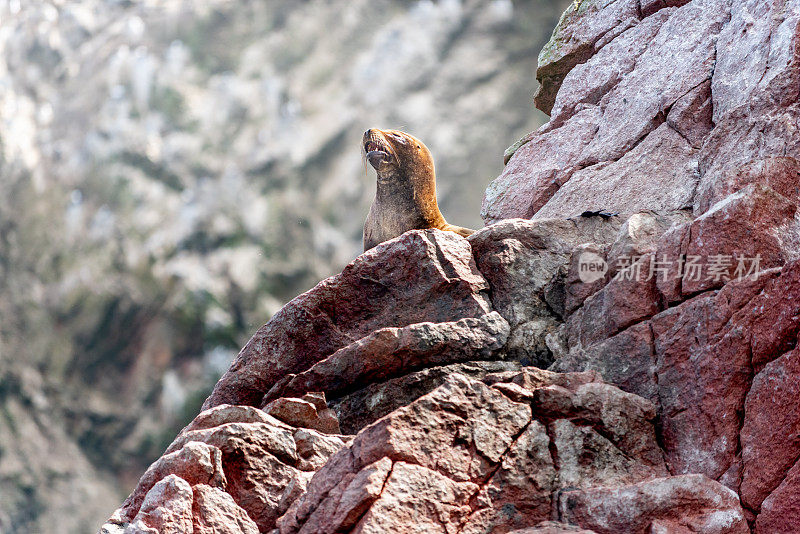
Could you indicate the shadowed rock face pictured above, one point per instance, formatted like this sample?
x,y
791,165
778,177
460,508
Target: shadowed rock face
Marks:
x,y
669,404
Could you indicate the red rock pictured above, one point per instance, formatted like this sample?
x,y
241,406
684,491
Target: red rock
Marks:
x,y
641,234
423,275
630,109
193,463
552,527
215,512
519,492
781,174
624,419
755,131
691,115
227,413
587,84
582,30
576,286
694,502
302,413
538,168
660,173
703,373
648,7
593,425
418,499
755,222
365,406
773,316
519,258
625,360
678,59
670,251
771,432
628,298
757,57
262,465
391,352
780,512
166,509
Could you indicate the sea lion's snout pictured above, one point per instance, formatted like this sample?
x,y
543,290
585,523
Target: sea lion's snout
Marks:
x,y
376,157
374,149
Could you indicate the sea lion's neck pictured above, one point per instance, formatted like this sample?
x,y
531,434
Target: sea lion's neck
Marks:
x,y
414,196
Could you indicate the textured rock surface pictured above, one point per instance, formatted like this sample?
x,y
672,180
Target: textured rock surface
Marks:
x,y
233,465
172,173
669,101
420,276
670,401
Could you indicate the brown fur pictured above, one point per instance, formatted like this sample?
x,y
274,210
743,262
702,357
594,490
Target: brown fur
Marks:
x,y
406,195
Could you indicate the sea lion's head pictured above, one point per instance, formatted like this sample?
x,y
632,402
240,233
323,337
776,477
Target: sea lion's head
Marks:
x,y
395,154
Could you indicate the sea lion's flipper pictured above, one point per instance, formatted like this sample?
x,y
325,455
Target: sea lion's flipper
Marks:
x,y
463,232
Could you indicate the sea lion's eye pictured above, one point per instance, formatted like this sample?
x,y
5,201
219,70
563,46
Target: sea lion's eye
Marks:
x,y
398,137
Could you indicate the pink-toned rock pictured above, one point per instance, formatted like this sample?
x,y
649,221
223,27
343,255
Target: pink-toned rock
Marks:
x,y
624,419
193,463
703,373
583,29
228,413
782,174
757,57
587,84
660,173
628,298
391,352
648,7
215,512
519,492
423,275
262,464
751,230
691,115
365,406
166,509
626,360
463,411
774,316
691,502
467,443
670,251
361,492
678,59
418,499
302,413
771,432
537,169
780,512
567,293
629,109
353,496
460,410
641,234
519,258
552,527
755,131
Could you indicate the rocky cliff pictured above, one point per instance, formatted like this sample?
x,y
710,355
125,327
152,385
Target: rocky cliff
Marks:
x,y
171,173
615,353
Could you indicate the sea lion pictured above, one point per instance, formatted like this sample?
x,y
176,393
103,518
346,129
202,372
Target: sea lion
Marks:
x,y
406,195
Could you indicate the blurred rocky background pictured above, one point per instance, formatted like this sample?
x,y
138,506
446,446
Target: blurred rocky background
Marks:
x,y
172,172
